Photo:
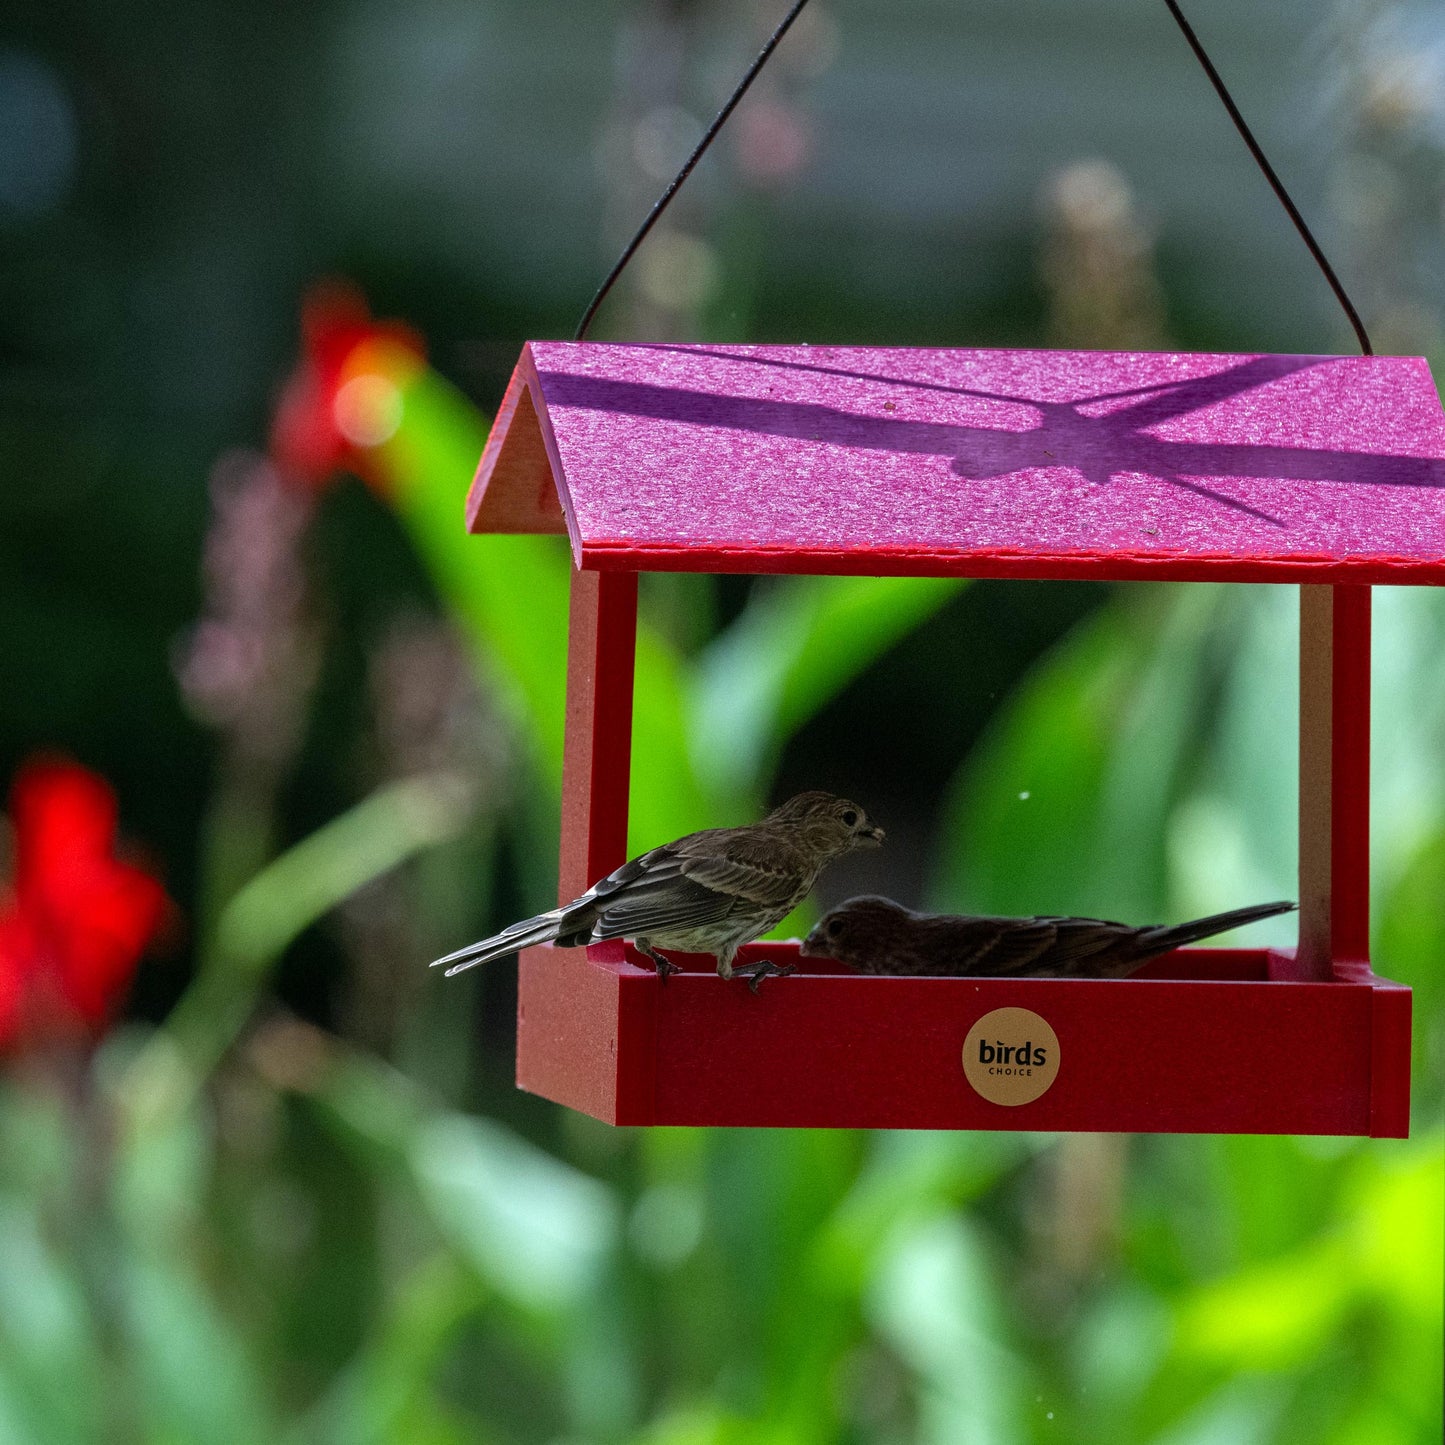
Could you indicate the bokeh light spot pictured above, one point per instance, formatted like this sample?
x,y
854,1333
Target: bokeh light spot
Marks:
x,y
677,271
368,410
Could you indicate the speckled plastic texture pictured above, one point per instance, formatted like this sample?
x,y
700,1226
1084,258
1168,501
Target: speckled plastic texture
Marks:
x,y
983,463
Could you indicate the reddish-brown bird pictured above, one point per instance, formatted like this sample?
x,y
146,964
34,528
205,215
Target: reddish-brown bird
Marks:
x,y
876,935
710,892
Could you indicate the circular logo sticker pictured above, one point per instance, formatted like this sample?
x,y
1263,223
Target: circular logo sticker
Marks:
x,y
1011,1056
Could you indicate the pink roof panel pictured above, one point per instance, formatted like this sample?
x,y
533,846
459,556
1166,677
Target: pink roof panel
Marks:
x,y
973,463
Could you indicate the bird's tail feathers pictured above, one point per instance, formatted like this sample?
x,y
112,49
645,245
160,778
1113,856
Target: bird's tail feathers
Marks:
x,y
1179,934
541,929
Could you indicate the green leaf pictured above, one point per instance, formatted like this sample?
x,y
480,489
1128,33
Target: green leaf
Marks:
x,y
1396,1241
1408,725
535,1229
1064,805
1387,1247
1234,837
511,594
910,1175
312,877
796,645
388,1391
293,892
1243,1412
163,1159
669,797
1272,1317
933,1298
193,1378
51,1371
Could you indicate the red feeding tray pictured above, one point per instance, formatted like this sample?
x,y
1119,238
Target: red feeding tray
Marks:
x,y
1325,471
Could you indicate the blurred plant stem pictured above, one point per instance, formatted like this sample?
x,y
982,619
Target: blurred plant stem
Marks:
x,y
272,909
248,666
1098,262
1086,1174
430,716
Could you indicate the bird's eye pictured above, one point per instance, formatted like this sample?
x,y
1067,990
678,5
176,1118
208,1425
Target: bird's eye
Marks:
x,y
850,817
834,928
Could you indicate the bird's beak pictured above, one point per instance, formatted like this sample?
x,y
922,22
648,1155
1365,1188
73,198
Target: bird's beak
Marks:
x,y
811,946
872,835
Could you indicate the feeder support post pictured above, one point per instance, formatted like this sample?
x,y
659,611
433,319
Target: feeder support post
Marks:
x,y
1334,779
596,760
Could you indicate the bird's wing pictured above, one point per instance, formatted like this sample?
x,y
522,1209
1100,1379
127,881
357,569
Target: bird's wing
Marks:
x,y
1086,944
648,894
669,905
749,865
656,864
1001,946
697,880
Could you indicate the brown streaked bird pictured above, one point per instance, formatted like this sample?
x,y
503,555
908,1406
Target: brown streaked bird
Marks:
x,y
710,892
876,935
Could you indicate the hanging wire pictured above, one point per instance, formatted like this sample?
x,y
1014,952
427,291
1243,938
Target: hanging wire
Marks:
x,y
707,139
1259,158
1200,54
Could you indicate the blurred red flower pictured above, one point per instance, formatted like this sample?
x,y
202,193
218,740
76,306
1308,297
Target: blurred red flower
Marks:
x,y
345,397
75,920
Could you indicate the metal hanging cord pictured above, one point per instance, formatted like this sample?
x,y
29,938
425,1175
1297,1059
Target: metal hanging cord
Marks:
x,y
1247,135
1200,54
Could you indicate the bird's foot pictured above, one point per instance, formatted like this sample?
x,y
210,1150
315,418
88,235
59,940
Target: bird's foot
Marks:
x,y
664,966
755,973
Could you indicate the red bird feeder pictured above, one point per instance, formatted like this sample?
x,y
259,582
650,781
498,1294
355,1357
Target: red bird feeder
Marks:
x,y
1324,471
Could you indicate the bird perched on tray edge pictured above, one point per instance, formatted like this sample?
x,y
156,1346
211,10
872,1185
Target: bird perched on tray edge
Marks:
x,y
708,892
876,935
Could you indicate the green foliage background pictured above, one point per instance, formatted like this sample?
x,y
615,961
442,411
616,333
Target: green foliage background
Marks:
x,y
267,1209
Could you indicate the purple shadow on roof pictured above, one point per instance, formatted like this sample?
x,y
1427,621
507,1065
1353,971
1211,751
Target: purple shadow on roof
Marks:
x,y
816,450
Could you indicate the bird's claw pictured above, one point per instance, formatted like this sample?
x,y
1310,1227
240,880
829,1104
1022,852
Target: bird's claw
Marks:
x,y
755,973
664,966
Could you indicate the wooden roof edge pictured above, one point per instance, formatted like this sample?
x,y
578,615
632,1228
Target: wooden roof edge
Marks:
x,y
518,486
979,563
